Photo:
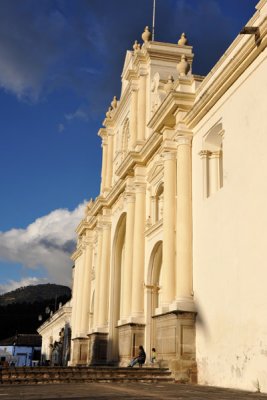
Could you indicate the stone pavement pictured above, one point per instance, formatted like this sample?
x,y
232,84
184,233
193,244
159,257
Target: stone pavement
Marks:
x,y
132,391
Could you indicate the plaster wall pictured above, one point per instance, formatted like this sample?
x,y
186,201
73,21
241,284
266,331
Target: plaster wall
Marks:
x,y
50,330
229,242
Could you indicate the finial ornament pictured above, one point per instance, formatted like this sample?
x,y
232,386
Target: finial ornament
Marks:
x,y
108,113
183,66
169,85
136,46
183,40
146,35
114,102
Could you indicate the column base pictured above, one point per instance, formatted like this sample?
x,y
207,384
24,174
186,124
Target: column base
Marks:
x,y
100,329
79,351
97,354
131,336
175,344
183,304
132,320
162,310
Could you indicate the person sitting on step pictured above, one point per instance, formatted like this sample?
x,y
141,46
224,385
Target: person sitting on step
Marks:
x,y
153,355
140,359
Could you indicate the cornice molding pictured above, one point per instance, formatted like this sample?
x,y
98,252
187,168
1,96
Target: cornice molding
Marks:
x,y
77,253
82,227
119,111
164,116
133,158
237,64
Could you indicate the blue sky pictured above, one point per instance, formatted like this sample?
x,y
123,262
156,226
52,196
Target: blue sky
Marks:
x,y
60,66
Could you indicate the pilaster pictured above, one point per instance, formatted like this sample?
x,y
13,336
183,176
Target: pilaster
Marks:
x,y
184,278
109,169
139,243
129,238
168,254
98,275
103,134
84,326
133,118
104,271
141,109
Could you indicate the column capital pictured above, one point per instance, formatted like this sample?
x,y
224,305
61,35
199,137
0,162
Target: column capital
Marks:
x,y
104,141
169,145
204,153
129,197
102,133
140,187
169,155
142,73
99,225
215,154
184,140
134,87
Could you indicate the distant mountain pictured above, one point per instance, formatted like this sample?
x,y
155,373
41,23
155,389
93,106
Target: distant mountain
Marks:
x,y
21,308
32,293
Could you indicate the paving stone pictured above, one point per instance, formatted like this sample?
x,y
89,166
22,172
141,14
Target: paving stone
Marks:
x,y
132,391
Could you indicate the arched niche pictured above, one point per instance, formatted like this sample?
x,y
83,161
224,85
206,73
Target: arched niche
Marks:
x,y
212,159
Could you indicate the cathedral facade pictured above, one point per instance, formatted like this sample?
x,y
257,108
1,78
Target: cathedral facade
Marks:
x,y
171,254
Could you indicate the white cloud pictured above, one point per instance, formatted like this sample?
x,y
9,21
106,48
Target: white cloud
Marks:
x,y
13,285
60,128
47,242
80,113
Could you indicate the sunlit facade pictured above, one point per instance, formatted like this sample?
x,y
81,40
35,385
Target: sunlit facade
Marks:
x,y
171,254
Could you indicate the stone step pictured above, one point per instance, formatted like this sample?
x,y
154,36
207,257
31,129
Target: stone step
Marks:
x,y
37,375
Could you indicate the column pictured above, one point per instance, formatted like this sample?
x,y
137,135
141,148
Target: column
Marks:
x,y
74,297
214,172
184,222
98,269
104,163
204,154
168,254
153,211
141,109
79,276
104,275
138,250
133,119
109,168
86,288
129,235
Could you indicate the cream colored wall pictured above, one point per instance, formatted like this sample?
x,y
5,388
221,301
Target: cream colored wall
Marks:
x,y
50,329
229,242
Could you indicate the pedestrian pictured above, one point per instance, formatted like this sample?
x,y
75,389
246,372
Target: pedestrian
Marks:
x,y
140,359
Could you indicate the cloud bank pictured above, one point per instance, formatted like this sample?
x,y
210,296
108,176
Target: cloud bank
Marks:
x,y
46,243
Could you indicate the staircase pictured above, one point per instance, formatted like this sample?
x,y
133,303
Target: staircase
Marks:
x,y
39,375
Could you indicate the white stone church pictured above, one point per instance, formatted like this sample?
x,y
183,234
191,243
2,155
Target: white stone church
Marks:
x,y
171,254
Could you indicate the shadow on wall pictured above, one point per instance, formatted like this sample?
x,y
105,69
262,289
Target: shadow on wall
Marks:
x,y
200,321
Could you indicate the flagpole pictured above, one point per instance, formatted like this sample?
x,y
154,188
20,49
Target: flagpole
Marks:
x,y
153,23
